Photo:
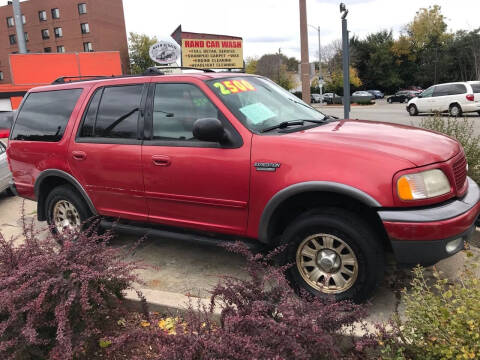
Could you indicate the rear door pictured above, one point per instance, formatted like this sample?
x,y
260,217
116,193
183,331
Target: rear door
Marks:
x,y
106,153
191,183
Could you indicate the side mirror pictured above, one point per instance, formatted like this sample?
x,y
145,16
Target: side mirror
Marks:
x,y
209,129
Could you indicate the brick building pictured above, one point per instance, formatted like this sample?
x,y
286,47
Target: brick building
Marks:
x,y
64,26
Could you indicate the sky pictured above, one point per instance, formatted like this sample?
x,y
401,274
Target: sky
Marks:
x,y
269,25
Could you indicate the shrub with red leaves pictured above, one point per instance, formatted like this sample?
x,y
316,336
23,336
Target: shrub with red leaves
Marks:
x,y
261,318
56,299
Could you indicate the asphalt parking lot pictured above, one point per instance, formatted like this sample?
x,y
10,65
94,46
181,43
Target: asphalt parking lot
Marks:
x,y
383,111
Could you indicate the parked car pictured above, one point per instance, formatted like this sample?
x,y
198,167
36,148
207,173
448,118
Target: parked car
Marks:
x,y
316,98
362,96
6,119
362,93
454,98
476,90
5,175
222,157
401,96
377,93
328,97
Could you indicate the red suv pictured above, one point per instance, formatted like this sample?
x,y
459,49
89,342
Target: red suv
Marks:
x,y
211,156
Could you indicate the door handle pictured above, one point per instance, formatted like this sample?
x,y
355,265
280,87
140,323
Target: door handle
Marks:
x,y
79,155
161,160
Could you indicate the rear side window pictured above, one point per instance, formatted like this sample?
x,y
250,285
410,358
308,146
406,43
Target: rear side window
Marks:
x,y
451,89
44,115
113,113
476,88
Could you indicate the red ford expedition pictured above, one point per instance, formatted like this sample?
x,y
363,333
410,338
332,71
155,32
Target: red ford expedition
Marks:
x,y
211,156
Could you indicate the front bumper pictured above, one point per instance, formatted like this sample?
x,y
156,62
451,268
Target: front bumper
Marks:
x,y
421,236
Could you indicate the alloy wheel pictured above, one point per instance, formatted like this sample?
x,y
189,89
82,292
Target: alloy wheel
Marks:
x,y
66,217
327,263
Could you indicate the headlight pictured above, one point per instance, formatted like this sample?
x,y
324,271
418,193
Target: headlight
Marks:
x,y
423,185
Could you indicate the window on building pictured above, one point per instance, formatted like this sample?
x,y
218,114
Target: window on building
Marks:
x,y
85,28
1,75
25,35
60,49
45,34
24,19
13,39
58,32
44,115
10,22
82,8
42,15
55,13
47,49
117,114
87,47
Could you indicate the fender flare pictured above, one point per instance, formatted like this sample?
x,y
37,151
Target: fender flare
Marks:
x,y
70,179
309,186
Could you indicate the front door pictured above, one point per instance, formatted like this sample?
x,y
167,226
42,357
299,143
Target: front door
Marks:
x,y
426,102
192,183
106,154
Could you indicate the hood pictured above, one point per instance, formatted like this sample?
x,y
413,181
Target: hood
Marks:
x,y
418,146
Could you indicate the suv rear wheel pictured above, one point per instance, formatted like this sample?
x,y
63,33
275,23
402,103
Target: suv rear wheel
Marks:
x,y
66,209
335,254
455,110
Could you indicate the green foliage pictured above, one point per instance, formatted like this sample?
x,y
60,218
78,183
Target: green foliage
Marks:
x,y
251,65
138,50
442,320
463,131
335,82
275,67
428,27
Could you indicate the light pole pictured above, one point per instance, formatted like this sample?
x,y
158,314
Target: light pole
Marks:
x,y
17,14
346,68
304,62
320,76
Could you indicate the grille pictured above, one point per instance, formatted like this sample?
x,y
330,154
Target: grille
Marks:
x,y
460,172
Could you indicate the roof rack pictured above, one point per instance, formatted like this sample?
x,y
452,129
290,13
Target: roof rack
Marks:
x,y
151,71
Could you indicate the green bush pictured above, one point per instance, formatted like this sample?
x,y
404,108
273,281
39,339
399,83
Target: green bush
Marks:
x,y
442,320
461,129
364,102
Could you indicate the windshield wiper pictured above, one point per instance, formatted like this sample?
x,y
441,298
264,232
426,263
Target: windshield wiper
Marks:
x,y
285,124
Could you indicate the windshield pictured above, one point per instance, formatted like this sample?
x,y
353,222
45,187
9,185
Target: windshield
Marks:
x,y
261,104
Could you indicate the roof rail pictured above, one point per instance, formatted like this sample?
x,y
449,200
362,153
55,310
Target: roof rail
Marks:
x,y
67,79
151,71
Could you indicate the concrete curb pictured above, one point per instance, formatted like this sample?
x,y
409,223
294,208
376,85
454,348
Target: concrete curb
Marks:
x,y
167,302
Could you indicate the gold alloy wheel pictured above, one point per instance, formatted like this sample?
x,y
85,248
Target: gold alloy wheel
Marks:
x,y
327,263
66,216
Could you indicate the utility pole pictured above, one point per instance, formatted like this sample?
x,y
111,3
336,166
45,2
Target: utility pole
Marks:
x,y
320,75
17,14
346,62
304,62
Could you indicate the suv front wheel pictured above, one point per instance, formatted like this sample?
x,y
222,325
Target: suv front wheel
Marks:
x,y
335,254
66,210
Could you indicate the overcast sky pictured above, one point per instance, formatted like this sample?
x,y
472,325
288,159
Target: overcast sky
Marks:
x,y
267,25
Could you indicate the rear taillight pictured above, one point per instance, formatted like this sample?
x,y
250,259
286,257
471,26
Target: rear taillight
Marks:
x,y
470,97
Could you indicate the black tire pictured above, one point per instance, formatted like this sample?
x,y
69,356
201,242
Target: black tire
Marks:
x,y
412,110
455,110
478,113
66,193
389,100
10,192
354,232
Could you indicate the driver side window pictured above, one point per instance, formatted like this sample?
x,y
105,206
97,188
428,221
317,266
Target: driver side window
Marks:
x,y
428,92
176,108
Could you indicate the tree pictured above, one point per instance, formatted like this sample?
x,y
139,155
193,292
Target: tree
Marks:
x,y
138,49
274,66
251,65
335,82
428,27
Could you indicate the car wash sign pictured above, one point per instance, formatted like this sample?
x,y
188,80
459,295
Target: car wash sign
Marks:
x,y
165,52
210,51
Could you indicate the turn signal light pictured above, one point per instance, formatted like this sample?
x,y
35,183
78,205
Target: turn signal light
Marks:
x,y
470,97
